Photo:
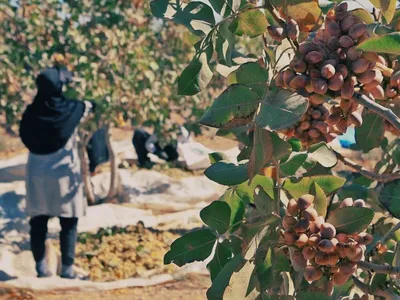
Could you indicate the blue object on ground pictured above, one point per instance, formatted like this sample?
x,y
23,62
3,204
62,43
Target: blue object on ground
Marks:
x,y
348,139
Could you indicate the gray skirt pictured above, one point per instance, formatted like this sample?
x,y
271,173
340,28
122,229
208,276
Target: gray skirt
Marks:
x,y
54,184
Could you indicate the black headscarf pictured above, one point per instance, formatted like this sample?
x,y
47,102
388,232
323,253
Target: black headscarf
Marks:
x,y
49,122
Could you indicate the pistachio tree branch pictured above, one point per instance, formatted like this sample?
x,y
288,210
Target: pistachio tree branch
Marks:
x,y
366,173
384,112
382,269
387,293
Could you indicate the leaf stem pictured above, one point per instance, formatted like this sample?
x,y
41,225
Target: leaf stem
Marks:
x,y
380,110
366,173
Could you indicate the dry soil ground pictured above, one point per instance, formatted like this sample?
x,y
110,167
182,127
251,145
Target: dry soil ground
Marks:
x,y
193,287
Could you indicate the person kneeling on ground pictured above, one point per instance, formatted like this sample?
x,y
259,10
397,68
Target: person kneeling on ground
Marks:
x,y
145,143
54,185
97,150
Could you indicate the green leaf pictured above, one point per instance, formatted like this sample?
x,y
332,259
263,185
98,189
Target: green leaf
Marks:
x,y
264,203
387,7
363,15
237,208
244,153
295,143
290,167
306,13
357,191
320,201
255,242
217,216
234,244
159,8
216,291
261,153
224,44
251,22
389,44
233,108
243,193
308,295
298,187
265,183
323,154
396,156
227,173
196,16
262,181
378,282
351,219
370,134
249,74
225,7
281,109
217,156
267,147
342,291
221,257
195,77
193,246
389,197
239,283
281,148
282,263
236,134
384,143
264,269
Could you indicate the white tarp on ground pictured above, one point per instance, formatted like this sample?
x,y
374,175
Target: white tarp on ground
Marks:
x,y
179,200
152,190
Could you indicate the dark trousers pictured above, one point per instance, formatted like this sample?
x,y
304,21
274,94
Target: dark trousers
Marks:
x,y
68,237
169,153
139,142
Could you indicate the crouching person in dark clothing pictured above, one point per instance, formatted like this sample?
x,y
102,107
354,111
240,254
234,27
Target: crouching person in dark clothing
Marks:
x,y
145,143
54,185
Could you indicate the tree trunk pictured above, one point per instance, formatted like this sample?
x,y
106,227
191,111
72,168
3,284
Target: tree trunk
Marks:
x,y
114,180
87,184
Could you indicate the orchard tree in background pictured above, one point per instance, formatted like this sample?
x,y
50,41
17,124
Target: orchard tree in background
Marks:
x,y
122,58
289,226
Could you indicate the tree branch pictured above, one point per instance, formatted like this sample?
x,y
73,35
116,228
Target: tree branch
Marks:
x,y
380,110
382,269
366,173
387,294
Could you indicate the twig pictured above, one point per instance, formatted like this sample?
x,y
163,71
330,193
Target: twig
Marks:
x,y
384,112
387,294
375,268
389,233
366,173
277,187
275,14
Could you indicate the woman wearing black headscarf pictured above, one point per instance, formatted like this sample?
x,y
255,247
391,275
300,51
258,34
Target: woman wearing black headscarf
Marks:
x,y
53,182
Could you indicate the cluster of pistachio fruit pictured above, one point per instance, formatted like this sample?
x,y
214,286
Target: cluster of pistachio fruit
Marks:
x,y
328,65
319,248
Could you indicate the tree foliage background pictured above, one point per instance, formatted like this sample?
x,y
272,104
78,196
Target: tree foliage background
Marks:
x,y
122,57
